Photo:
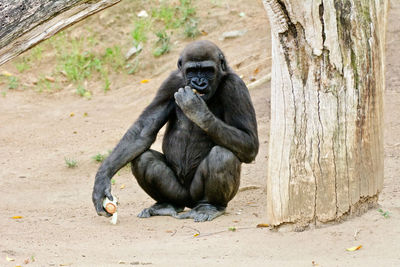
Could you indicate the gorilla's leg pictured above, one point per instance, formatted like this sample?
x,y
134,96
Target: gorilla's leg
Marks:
x,y
215,183
160,183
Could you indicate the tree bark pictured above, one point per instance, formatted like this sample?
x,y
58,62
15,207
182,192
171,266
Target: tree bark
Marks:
x,y
326,138
23,24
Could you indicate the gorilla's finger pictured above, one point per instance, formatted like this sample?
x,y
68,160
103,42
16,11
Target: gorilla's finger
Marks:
x,y
189,91
178,99
104,213
100,209
108,194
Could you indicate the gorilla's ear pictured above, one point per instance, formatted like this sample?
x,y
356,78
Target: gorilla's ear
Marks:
x,y
223,62
180,63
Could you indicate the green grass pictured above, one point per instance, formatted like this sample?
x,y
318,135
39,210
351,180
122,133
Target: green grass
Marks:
x,y
80,64
99,157
23,65
191,28
140,30
71,163
385,214
174,16
163,44
13,82
165,14
81,91
86,58
36,53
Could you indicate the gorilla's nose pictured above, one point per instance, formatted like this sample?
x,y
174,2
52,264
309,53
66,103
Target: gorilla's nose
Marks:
x,y
199,84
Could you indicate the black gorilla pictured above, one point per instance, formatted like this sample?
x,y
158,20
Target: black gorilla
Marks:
x,y
211,130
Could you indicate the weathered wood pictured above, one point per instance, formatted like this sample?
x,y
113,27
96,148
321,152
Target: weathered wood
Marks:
x,y
326,139
23,24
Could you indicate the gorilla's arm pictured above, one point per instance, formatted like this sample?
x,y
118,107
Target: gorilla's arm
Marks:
x,y
238,131
136,140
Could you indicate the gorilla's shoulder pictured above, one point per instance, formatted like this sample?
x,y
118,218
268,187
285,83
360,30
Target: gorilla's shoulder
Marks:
x,y
174,81
233,81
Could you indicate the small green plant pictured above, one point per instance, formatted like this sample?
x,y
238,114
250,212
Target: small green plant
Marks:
x,y
36,53
166,14
190,28
133,67
80,90
99,157
13,82
71,163
163,44
45,85
114,58
113,181
22,65
186,10
139,33
385,214
78,66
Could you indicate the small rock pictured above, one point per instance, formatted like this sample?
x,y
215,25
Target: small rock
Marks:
x,y
133,50
232,34
142,14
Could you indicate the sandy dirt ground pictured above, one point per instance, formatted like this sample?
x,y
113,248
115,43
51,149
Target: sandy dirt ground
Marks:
x,y
59,226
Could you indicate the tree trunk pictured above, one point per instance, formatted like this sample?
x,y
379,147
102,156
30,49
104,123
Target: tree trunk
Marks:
x,y
326,139
23,24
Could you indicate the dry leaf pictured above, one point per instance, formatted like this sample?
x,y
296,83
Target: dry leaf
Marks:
x,y
261,225
16,217
197,234
257,70
9,259
204,33
144,81
354,248
85,114
232,228
122,186
72,114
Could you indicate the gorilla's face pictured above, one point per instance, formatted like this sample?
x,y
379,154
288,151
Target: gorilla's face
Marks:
x,y
202,77
202,65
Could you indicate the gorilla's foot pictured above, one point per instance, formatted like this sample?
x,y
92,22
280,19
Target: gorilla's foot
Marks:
x,y
160,209
202,212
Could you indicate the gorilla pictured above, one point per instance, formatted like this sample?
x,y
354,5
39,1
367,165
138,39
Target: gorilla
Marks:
x,y
211,129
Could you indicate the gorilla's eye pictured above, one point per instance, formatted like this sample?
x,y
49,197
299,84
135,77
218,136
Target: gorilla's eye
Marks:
x,y
206,72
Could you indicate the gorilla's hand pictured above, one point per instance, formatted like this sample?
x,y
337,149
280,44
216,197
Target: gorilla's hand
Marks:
x,y
192,105
102,189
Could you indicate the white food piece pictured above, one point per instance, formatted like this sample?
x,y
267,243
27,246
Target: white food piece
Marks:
x,y
113,204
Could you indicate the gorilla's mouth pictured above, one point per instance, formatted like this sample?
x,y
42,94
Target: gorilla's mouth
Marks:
x,y
197,92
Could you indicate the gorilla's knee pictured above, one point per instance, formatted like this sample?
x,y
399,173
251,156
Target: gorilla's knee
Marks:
x,y
144,161
221,177
220,157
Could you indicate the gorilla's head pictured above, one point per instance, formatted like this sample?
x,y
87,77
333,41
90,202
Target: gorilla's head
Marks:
x,y
202,65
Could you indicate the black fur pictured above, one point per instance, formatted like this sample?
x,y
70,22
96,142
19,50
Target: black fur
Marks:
x,y
209,133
